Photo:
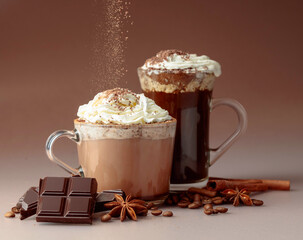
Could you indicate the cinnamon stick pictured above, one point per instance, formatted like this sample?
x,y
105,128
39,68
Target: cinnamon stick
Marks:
x,y
253,185
283,185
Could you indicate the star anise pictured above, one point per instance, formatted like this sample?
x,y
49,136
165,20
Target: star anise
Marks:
x,y
127,207
237,196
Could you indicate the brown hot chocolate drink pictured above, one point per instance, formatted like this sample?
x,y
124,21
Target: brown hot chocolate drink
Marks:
x,y
126,143
135,158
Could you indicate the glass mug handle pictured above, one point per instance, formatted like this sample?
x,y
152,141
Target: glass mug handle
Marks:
x,y
73,135
242,125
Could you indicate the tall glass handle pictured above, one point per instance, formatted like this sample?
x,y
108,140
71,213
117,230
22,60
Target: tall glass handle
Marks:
x,y
73,135
242,125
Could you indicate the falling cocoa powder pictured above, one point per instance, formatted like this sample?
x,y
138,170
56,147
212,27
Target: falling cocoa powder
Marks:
x,y
108,65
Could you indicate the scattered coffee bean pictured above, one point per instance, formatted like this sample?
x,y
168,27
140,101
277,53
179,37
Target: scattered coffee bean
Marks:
x,y
257,202
175,199
190,196
221,209
208,211
217,200
156,212
154,208
183,204
197,198
194,205
208,206
184,199
143,212
16,210
215,211
149,205
182,195
9,215
206,201
168,214
106,218
169,201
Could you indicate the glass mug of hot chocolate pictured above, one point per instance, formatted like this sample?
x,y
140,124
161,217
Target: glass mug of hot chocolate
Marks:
x,y
182,83
125,141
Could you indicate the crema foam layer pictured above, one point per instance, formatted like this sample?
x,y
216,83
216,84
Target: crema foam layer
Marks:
x,y
121,106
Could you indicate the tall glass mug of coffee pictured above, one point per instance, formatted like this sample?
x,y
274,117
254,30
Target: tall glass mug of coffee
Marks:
x,y
182,83
125,141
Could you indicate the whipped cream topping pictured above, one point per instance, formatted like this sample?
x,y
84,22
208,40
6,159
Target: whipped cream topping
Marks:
x,y
175,59
121,106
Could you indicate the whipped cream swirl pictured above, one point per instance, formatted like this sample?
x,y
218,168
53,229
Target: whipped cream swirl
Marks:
x,y
175,59
121,106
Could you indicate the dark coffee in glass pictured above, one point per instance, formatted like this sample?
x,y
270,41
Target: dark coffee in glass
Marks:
x,y
182,84
191,152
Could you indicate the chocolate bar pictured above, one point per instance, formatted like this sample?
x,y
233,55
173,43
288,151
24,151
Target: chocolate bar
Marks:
x,y
29,201
67,200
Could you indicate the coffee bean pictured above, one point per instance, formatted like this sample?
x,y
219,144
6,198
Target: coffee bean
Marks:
x,y
183,204
184,199
106,218
217,200
194,205
208,211
16,210
156,212
215,211
169,201
197,198
154,208
206,201
257,202
9,215
149,205
175,199
182,195
143,212
208,206
221,209
190,196
168,214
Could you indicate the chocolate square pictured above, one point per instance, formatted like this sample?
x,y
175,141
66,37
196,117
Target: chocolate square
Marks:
x,y
51,206
81,187
78,207
54,186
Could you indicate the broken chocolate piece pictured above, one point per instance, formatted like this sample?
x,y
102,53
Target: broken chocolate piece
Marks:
x,y
28,203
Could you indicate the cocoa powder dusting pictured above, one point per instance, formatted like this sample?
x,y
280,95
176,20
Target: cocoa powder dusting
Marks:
x,y
109,43
164,54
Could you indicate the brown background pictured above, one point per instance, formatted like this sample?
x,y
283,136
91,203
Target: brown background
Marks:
x,y
46,49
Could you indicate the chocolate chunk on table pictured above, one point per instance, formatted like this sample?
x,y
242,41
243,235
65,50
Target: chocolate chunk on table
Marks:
x,y
105,197
28,203
67,200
